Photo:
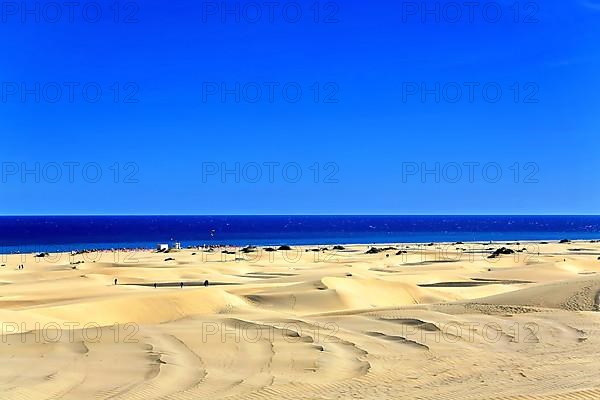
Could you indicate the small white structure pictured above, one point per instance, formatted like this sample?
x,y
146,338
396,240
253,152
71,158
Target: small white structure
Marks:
x,y
162,247
177,246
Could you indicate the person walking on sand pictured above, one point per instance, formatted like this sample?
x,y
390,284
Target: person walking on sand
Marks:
x,y
115,281
206,283
181,285
154,285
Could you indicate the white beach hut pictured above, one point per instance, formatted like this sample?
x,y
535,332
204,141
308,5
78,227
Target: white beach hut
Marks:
x,y
162,247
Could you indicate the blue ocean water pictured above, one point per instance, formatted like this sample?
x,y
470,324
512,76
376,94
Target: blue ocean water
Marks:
x,y
53,233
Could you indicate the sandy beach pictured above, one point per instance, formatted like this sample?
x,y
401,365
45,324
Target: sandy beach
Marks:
x,y
439,321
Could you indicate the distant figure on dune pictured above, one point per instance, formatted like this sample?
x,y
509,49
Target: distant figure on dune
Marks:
x,y
115,281
206,283
155,285
181,285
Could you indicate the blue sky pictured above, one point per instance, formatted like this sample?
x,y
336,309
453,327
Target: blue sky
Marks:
x,y
301,107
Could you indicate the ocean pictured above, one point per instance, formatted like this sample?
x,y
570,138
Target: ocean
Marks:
x,y
66,233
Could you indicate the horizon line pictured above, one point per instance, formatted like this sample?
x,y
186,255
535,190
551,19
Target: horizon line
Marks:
x,y
300,215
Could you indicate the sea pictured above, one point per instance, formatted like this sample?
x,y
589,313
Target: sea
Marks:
x,y
28,234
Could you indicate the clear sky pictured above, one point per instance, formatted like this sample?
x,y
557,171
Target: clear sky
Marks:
x,y
300,107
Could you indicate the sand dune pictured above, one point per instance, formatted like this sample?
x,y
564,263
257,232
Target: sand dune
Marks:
x,y
436,322
579,294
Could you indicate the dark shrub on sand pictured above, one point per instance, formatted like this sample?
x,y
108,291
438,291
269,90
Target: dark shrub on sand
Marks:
x,y
270,249
500,251
284,248
374,250
339,248
504,250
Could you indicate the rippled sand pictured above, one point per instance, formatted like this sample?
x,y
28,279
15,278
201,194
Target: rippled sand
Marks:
x,y
437,322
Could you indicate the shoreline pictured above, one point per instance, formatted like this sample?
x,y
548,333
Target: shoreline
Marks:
x,y
79,250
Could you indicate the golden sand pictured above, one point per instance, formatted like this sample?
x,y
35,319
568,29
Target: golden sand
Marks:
x,y
437,322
